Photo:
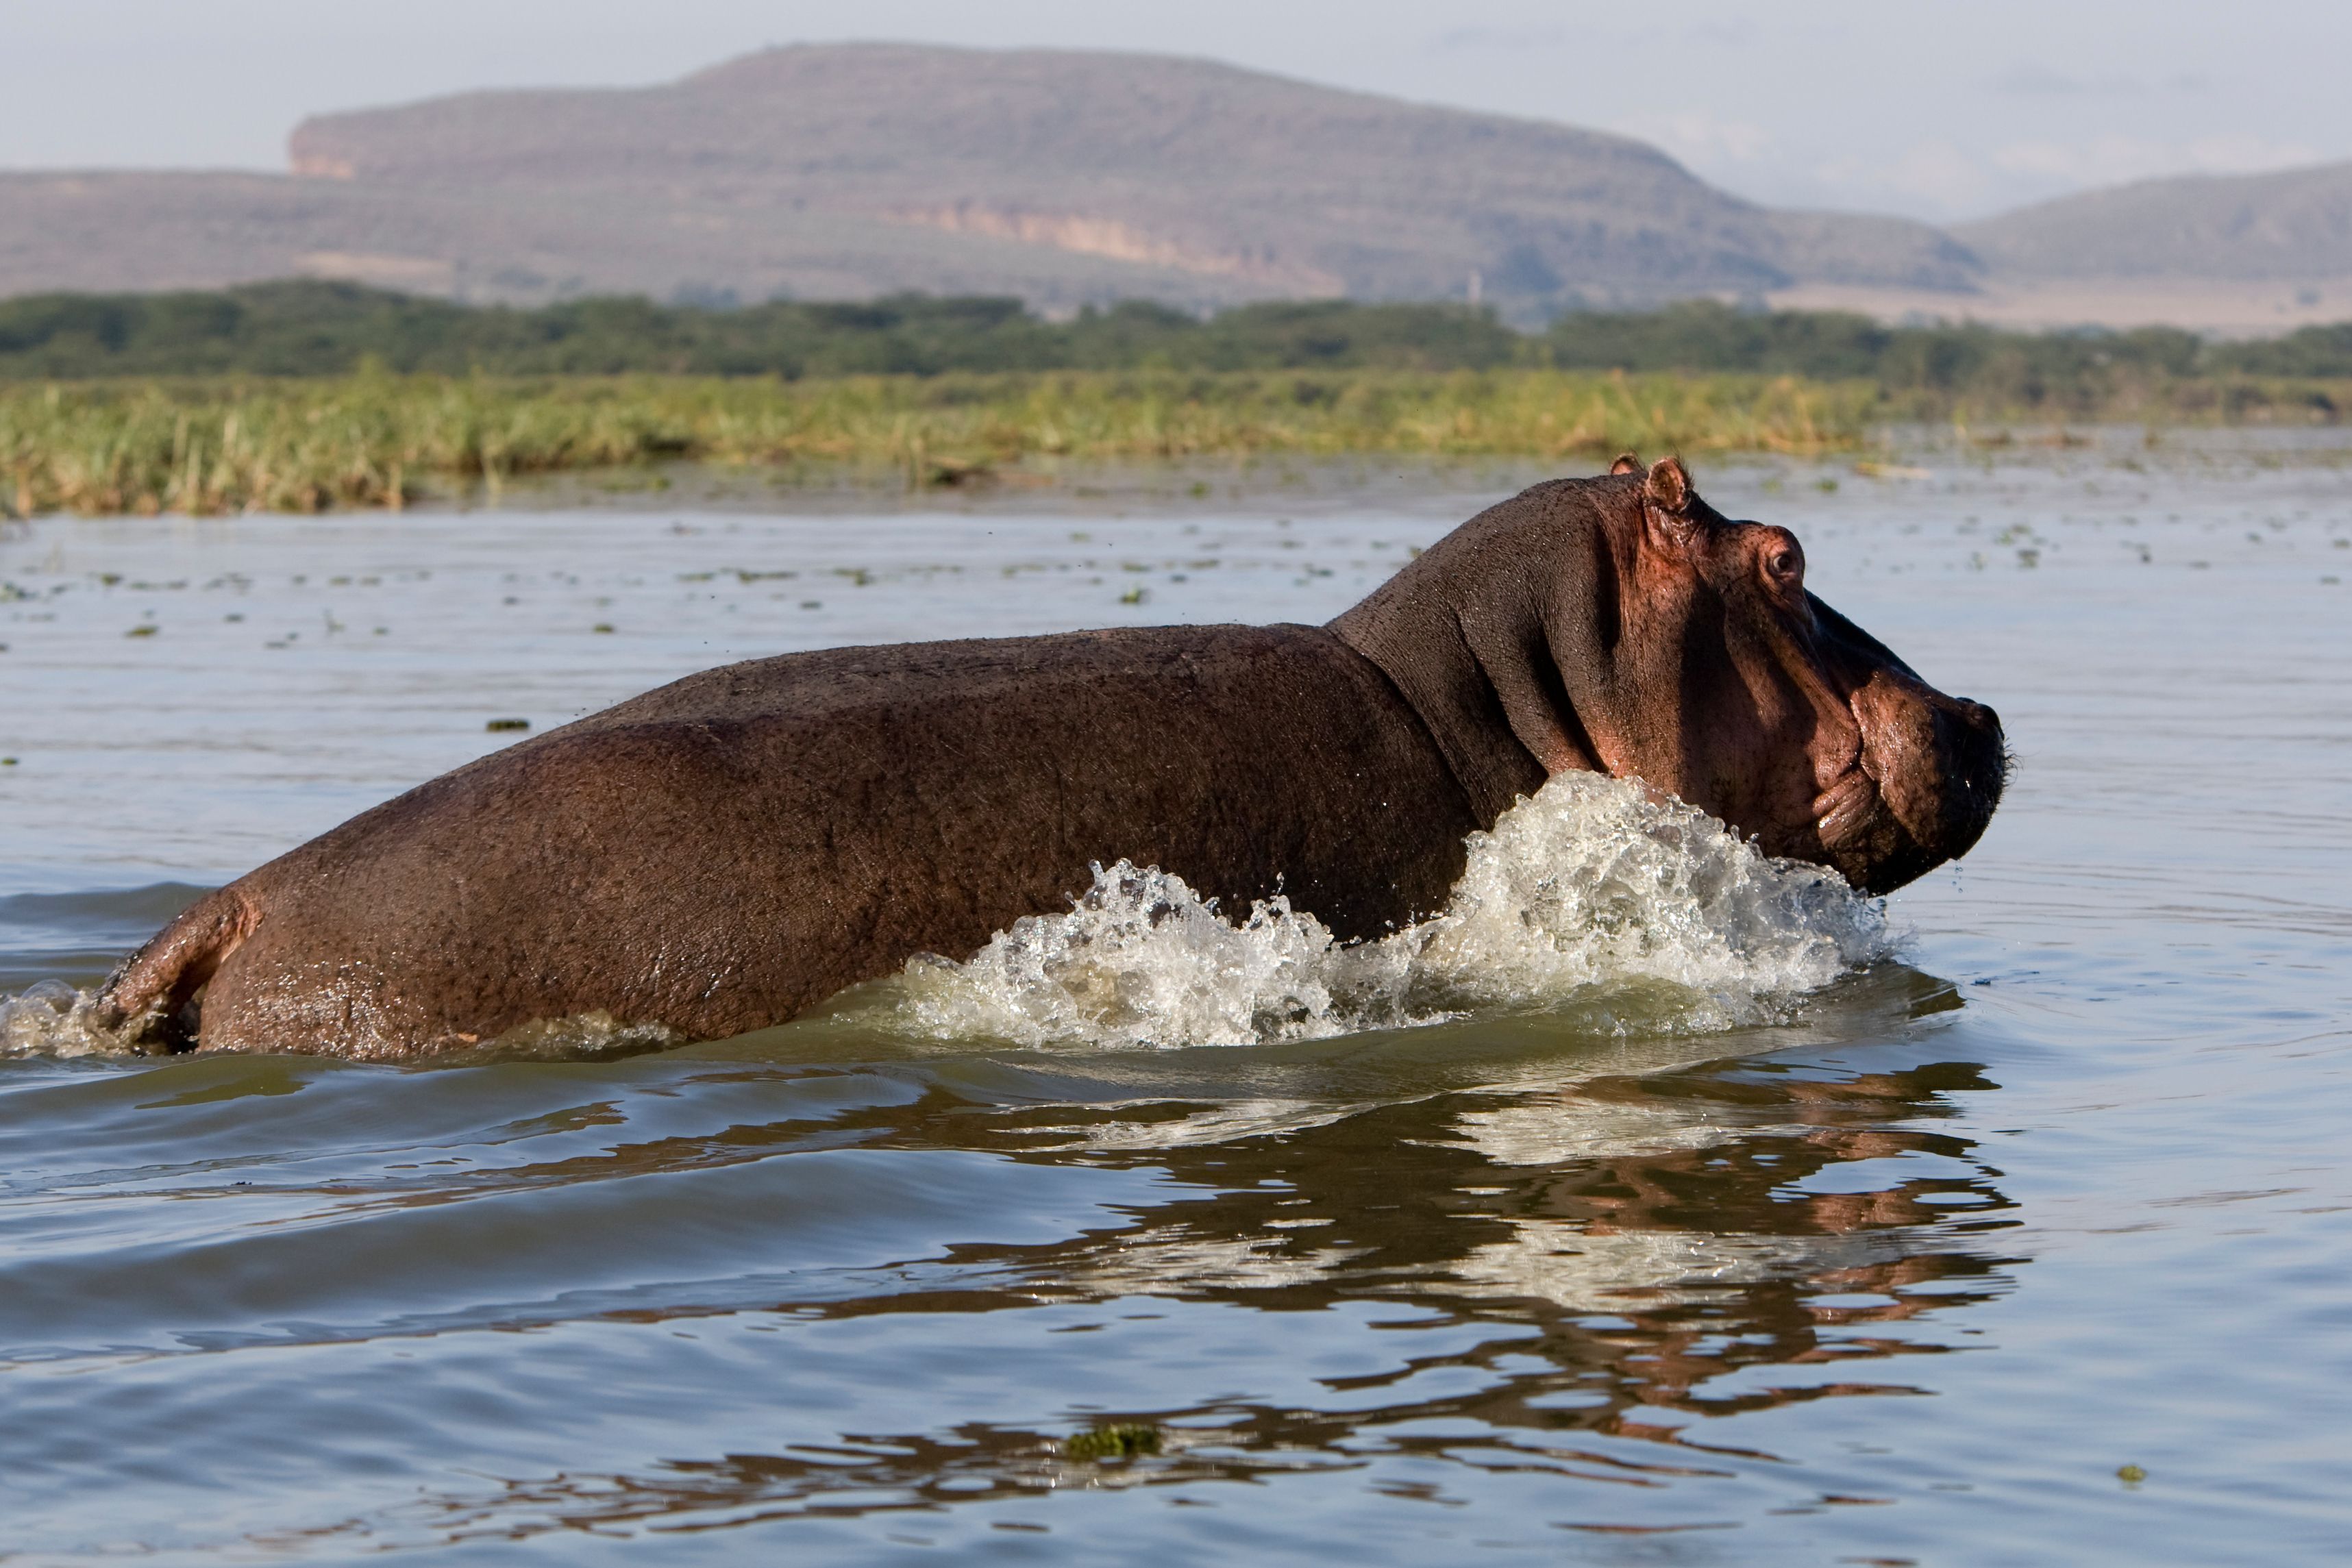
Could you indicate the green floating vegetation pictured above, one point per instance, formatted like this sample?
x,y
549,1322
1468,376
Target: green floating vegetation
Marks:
x,y
1120,1440
500,726
204,446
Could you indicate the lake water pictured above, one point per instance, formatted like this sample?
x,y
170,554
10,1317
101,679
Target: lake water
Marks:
x,y
2029,1241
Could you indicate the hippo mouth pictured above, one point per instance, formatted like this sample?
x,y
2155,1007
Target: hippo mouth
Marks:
x,y
1851,822
1919,789
1841,811
1848,808
1860,835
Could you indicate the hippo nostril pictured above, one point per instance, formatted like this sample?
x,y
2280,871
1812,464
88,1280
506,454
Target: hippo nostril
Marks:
x,y
1977,760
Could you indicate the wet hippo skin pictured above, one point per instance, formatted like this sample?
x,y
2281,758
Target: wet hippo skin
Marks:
x,y
723,852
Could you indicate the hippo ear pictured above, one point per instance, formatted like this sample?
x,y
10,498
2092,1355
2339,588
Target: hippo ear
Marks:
x,y
1666,497
1627,462
1669,486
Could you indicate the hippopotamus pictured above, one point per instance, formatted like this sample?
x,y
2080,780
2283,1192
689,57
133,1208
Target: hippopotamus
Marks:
x,y
724,853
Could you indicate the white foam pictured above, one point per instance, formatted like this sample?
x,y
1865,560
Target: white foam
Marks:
x,y
1591,892
52,1019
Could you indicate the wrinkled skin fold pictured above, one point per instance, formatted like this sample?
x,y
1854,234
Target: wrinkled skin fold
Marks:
x,y
722,854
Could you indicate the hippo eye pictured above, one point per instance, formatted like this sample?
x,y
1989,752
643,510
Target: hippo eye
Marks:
x,y
1784,565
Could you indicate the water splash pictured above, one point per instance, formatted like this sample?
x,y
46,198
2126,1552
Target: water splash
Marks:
x,y
1591,894
52,1019
1141,958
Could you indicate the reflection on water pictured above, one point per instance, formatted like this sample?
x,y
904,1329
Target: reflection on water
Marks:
x,y
1538,1256
1581,1297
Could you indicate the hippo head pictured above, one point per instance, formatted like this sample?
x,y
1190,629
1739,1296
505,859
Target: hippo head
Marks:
x,y
1623,625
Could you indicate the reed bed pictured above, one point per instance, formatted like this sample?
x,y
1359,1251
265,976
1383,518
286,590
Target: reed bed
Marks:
x,y
378,440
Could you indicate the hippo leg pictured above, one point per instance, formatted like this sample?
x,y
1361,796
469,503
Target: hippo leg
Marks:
x,y
155,989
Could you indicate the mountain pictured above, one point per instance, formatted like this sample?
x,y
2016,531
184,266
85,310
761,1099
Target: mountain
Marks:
x,y
490,243
845,170
2238,256
2291,226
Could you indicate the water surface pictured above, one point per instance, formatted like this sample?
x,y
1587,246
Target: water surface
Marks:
x,y
2025,1244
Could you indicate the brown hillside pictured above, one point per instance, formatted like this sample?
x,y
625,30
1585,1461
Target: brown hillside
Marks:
x,y
2295,225
848,170
1247,182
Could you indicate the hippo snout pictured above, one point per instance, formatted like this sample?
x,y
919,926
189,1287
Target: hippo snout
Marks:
x,y
1976,764
1938,764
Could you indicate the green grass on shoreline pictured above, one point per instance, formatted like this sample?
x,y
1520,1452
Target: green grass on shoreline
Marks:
x,y
210,446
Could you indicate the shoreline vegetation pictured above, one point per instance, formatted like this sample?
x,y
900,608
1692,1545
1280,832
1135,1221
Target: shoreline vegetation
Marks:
x,y
205,448
307,397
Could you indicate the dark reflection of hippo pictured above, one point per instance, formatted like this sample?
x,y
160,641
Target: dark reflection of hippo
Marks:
x,y
719,854
1583,1259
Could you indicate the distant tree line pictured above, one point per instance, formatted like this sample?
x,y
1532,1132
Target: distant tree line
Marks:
x,y
319,329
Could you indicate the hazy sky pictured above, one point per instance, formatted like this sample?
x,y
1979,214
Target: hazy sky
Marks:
x,y
1942,111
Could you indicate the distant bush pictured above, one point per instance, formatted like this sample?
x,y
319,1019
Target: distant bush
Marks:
x,y
310,328
2313,352
318,328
